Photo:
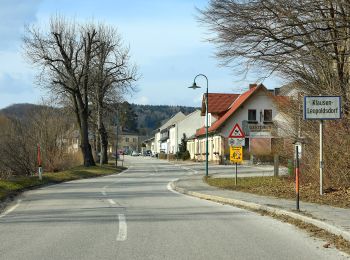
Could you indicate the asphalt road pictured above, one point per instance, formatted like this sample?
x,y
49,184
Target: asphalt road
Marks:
x,y
134,215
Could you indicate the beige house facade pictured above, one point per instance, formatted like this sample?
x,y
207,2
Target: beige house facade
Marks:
x,y
255,110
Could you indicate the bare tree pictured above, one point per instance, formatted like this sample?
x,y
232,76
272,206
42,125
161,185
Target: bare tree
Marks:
x,y
65,55
85,64
305,41
113,77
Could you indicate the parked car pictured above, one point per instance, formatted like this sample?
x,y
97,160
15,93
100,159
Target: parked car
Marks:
x,y
148,153
134,153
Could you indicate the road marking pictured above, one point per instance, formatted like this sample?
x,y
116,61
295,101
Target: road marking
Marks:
x,y
190,170
123,229
171,188
104,190
111,201
11,209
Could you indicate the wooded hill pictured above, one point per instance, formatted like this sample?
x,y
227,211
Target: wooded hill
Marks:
x,y
148,117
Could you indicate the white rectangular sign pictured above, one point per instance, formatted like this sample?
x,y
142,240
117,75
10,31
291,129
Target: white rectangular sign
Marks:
x,y
236,142
322,107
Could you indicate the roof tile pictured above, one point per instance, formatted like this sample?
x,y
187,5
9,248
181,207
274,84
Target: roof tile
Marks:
x,y
218,102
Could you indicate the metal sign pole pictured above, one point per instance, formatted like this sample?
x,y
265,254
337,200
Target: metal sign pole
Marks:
x,y
116,144
321,157
236,176
40,169
297,175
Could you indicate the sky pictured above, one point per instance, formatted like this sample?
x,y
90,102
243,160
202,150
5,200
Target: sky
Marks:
x,y
166,42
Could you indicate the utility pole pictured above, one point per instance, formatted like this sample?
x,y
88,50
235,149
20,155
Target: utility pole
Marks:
x,y
116,141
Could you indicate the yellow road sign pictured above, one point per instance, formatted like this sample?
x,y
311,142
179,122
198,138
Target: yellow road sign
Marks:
x,y
236,154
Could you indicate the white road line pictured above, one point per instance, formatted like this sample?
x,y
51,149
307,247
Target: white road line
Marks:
x,y
104,190
171,189
11,209
123,229
111,201
190,170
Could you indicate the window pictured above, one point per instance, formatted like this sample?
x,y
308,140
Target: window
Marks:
x,y
126,139
134,140
252,115
268,115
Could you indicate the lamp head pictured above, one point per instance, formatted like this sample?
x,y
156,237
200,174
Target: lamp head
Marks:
x,y
194,86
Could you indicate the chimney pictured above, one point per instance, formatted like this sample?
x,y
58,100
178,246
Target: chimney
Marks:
x,y
252,85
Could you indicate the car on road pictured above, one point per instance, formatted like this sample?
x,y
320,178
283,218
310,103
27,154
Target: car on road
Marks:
x,y
147,153
134,153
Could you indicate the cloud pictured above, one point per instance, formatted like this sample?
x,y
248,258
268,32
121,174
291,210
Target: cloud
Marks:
x,y
10,84
14,15
142,100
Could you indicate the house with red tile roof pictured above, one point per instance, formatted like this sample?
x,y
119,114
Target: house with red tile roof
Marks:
x,y
255,110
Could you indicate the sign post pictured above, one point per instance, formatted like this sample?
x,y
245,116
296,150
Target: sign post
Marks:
x,y
40,169
297,175
236,156
236,140
321,157
322,108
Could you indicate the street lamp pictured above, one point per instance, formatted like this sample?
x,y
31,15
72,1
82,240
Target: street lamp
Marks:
x,y
116,140
194,86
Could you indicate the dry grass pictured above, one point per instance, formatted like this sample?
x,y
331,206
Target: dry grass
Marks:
x,y
13,186
284,188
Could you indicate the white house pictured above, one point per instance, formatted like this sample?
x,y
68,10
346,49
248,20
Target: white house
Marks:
x,y
187,126
254,110
161,138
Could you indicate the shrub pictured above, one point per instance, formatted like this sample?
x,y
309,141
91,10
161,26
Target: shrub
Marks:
x,y
186,155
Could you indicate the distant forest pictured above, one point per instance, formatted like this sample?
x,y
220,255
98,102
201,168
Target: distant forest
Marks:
x,y
150,117
147,117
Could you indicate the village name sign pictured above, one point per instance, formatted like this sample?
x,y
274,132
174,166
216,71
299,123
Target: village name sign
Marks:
x,y
322,107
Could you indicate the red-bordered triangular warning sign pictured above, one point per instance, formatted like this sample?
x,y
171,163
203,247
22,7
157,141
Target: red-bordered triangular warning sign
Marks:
x,y
236,132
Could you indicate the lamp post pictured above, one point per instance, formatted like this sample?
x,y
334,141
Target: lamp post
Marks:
x,y
194,86
116,140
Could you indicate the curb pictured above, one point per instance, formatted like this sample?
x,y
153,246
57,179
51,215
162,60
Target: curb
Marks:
x,y
254,206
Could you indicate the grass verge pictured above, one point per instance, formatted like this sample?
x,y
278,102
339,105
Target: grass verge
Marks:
x,y
283,187
13,186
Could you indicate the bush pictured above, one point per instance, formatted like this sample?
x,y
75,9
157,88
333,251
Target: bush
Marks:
x,y
186,155
162,156
19,140
183,155
171,156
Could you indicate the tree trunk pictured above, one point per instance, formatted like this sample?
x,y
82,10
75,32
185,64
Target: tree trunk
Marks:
x,y
84,133
104,144
85,145
97,144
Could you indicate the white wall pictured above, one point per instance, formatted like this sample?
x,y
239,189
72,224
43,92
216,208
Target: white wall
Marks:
x,y
156,142
188,126
172,140
259,101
